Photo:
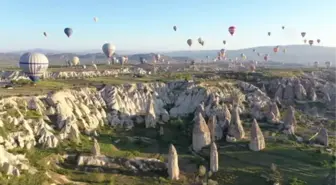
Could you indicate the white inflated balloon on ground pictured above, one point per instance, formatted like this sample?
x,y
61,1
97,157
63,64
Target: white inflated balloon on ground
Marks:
x,y
34,65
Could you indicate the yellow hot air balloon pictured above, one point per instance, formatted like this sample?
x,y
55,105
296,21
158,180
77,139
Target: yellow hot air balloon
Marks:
x,y
75,61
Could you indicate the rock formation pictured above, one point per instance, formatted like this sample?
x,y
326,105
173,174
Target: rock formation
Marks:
x,y
150,119
212,123
173,167
201,133
236,129
95,148
290,121
213,157
322,137
257,141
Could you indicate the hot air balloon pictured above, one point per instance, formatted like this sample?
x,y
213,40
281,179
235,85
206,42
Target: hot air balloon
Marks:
x,y
224,42
175,28
318,41
258,54
45,34
34,65
283,27
269,33
316,63
243,56
303,34
108,49
75,61
68,32
284,50
311,42
189,42
266,57
122,60
276,49
232,30
328,64
254,50
305,41
95,19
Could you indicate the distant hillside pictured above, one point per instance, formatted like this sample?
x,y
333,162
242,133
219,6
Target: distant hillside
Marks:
x,y
302,54
294,53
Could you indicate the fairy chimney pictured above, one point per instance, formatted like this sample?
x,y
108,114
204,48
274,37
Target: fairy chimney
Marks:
x,y
236,129
213,157
322,137
150,119
290,121
95,148
201,133
212,122
173,167
257,141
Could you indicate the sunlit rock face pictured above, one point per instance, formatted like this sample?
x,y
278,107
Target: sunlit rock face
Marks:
x,y
201,136
257,141
173,166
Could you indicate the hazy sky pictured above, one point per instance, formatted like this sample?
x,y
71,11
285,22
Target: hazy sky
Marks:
x,y
145,25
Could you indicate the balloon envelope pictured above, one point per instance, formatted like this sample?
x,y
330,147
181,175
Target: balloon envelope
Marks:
x,y
34,65
232,30
311,42
303,34
189,42
108,49
175,28
45,34
75,61
68,32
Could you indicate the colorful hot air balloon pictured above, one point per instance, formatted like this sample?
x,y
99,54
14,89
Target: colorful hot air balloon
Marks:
x,y
224,42
232,30
305,41
318,41
68,32
303,34
175,28
252,68
108,49
311,42
95,19
45,34
75,61
269,33
189,42
34,65
276,49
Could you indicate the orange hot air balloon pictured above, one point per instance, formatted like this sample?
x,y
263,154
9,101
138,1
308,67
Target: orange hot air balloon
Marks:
x,y
232,30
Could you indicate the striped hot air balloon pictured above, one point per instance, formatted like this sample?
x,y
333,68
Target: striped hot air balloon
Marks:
x,y
34,65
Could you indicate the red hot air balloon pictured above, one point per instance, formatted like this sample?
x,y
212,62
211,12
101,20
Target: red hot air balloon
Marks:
x,y
266,57
232,30
318,41
276,49
311,42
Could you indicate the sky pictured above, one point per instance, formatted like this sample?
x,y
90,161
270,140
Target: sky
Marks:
x,y
147,25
